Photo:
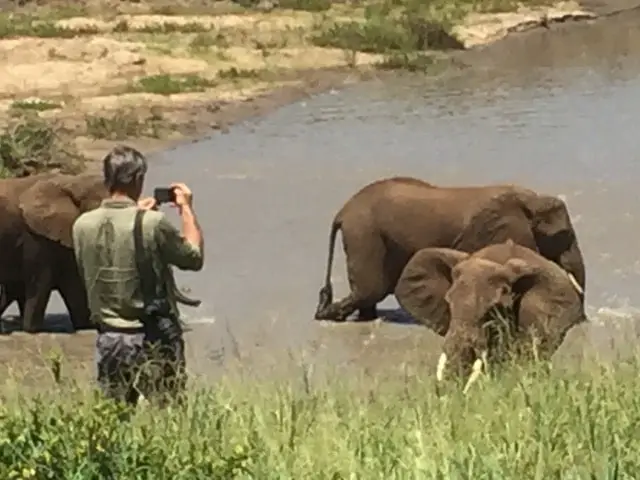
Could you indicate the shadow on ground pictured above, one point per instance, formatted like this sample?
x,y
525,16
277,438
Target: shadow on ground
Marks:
x,y
53,323
387,315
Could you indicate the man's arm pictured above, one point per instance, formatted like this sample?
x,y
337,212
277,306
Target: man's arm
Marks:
x,y
190,227
176,249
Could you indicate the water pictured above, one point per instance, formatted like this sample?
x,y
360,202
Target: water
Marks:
x,y
556,111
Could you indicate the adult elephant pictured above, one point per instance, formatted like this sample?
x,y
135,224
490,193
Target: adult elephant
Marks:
x,y
35,237
38,212
388,221
461,294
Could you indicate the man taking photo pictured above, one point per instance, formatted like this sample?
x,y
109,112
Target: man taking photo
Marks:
x,y
125,250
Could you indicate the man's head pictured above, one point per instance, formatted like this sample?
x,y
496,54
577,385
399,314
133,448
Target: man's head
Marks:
x,y
124,169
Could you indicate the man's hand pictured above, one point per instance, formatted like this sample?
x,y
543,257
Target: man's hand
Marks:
x,y
184,197
148,203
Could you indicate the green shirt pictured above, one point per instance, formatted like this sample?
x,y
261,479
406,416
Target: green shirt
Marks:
x,y
104,250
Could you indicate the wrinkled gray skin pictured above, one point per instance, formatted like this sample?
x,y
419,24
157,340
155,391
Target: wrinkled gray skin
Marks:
x,y
35,237
387,221
454,292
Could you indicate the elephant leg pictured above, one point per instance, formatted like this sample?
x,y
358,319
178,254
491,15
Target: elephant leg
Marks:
x,y
37,292
365,253
12,291
73,294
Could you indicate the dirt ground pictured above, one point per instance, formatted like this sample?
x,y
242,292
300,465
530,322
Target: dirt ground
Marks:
x,y
152,75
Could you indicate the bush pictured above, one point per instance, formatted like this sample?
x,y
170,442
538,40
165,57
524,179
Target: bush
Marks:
x,y
30,145
527,424
393,26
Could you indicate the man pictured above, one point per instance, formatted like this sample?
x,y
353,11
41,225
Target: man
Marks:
x,y
103,238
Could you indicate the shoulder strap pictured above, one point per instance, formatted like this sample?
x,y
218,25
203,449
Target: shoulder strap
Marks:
x,y
145,273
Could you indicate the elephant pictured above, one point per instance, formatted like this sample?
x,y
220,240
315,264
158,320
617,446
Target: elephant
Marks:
x,y
457,294
386,222
38,214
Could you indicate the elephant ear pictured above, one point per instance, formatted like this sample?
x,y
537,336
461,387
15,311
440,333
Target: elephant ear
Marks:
x,y
423,284
501,218
50,206
551,224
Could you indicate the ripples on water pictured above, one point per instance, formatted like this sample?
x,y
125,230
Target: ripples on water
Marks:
x,y
554,111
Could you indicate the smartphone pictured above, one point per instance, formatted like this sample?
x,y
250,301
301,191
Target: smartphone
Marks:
x,y
164,195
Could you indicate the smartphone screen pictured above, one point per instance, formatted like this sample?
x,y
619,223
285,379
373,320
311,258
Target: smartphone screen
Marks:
x,y
164,195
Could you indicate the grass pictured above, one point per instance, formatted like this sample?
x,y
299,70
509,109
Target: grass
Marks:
x,y
31,145
393,26
21,25
526,424
166,84
123,125
37,105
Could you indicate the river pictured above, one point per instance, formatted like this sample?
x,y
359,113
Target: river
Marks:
x,y
552,110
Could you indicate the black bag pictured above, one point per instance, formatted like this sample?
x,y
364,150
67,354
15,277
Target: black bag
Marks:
x,y
158,319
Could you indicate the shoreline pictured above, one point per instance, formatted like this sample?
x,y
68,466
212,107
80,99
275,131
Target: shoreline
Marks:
x,y
157,81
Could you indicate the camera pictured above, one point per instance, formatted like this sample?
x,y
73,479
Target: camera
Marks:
x,y
164,195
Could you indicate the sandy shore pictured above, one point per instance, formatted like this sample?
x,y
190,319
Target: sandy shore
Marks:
x,y
153,76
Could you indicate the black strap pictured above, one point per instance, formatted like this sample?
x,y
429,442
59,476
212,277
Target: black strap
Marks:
x,y
145,272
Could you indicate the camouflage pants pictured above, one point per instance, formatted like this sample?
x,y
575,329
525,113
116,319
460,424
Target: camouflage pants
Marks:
x,y
133,364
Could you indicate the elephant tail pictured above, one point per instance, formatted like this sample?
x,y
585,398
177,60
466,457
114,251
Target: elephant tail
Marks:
x,y
326,292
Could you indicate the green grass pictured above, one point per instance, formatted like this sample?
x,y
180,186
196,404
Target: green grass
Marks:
x,y
21,25
396,26
122,125
162,28
35,104
165,84
525,424
31,145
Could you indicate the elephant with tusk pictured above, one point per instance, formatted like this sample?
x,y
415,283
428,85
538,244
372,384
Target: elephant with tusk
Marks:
x,y
388,221
459,293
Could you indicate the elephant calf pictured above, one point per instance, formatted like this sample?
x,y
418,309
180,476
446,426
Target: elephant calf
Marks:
x,y
455,294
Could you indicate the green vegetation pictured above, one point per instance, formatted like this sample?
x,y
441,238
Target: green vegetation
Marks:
x,y
124,124
393,26
35,104
18,25
528,424
31,145
162,28
165,84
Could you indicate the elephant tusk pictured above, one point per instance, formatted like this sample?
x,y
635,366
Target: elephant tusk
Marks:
x,y
441,364
476,370
575,283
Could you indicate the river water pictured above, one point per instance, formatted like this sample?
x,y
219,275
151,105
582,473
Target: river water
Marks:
x,y
552,110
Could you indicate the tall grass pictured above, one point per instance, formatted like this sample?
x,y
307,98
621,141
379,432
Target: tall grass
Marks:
x,y
526,424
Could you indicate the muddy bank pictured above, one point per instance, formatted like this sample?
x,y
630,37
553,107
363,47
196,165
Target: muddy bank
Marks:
x,y
156,75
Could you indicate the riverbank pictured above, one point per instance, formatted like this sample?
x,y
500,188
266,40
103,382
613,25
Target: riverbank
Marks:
x,y
78,78
528,425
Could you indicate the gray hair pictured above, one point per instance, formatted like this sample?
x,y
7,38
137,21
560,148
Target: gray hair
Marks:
x,y
123,167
